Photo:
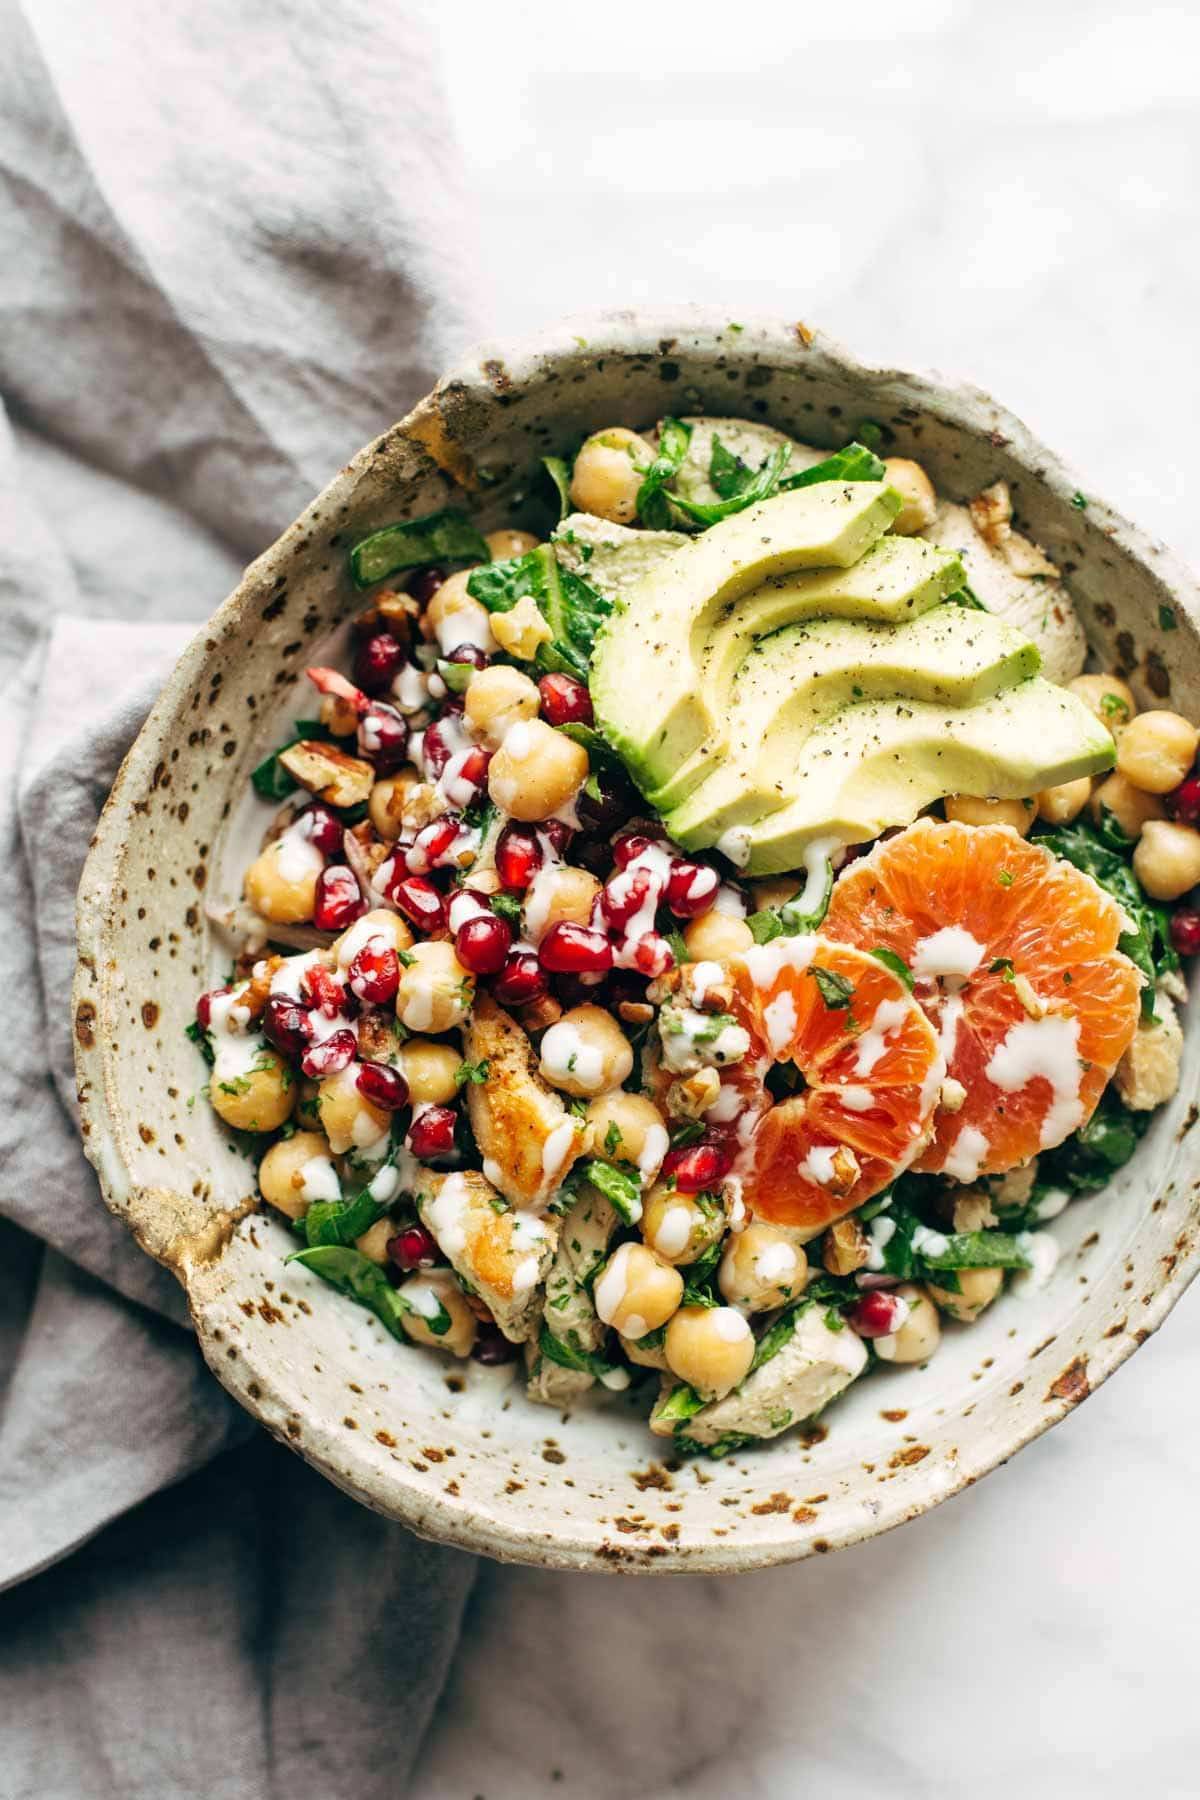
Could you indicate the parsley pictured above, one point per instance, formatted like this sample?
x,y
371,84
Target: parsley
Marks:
x,y
786,920
690,1132
447,536
697,1278
1079,501
569,1353
612,1138
653,505
476,1073
406,958
508,908
1003,965
967,597
619,1186
1005,878
1166,619
683,1402
837,991
241,1084
896,964
202,1040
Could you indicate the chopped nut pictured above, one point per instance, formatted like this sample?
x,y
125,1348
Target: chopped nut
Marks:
x,y
715,996
378,1038
365,851
1014,1187
844,1248
521,630
634,1012
691,1098
971,1210
422,805
992,513
540,1013
1034,1005
328,772
338,716
663,987
846,1170
953,1096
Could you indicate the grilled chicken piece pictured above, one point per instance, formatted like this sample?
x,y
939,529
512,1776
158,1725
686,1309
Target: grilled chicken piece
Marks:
x,y
501,1256
526,1136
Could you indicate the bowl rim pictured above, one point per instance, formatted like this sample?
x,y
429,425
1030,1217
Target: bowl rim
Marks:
x,y
486,368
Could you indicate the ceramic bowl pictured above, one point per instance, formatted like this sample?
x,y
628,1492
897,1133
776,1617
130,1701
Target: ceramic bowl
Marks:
x,y
455,1452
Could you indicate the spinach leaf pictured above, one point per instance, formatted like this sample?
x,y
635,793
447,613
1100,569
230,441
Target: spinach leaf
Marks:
x,y
837,991
915,1252
1148,944
683,1402
777,1334
569,1354
1086,1160
976,1250
896,964
360,1279
760,486
447,536
853,463
786,921
601,755
573,610
271,779
698,1278
653,505
722,1446
342,1221
619,1186
560,475
727,473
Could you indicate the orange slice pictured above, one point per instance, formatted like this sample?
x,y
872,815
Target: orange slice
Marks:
x,y
1016,963
871,1073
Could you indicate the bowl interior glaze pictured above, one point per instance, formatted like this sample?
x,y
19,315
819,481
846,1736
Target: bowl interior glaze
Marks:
x,y
454,1451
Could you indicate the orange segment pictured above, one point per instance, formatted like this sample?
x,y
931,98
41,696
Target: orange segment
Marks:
x,y
871,1070
1035,1028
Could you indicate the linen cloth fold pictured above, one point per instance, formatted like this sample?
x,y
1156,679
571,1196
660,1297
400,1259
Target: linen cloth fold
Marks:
x,y
235,249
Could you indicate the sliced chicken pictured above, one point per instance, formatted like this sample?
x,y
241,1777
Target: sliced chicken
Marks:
x,y
526,1136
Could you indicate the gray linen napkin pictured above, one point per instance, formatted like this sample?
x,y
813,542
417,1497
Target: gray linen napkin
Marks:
x,y
234,251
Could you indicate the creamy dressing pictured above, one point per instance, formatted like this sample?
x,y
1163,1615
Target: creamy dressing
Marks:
x,y
766,962
410,690
492,1171
949,1021
1048,1205
228,1012
446,1215
470,625
567,1056
236,1058
729,1324
525,1275
671,1238
653,864
1041,1247
319,1180
816,855
780,1020
384,1185
880,1232
357,937
557,1147
729,902
689,1044
1049,1048
950,952
424,1298
655,1145
927,1242
735,845
705,975
726,1107
818,1165
616,1380
857,1099
539,896
609,1292
967,1153
465,906
775,1264
296,857
889,1016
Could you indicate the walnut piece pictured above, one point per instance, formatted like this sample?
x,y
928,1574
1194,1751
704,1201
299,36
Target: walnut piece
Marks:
x,y
328,772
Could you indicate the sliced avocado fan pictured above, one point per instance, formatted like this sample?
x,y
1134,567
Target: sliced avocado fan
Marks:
x,y
880,762
794,680
651,700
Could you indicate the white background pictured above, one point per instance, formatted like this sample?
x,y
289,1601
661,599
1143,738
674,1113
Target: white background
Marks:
x,y
1008,193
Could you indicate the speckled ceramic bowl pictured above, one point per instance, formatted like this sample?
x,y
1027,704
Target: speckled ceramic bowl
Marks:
x,y
455,1451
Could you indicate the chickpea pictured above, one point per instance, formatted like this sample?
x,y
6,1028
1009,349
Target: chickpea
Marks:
x,y
762,1267
967,809
646,1356
374,1241
915,490
307,1108
715,937
536,771
497,698
1108,697
430,1069
1128,805
636,1292
255,1099
386,803
377,923
710,1347
677,1227
558,895
349,1121
508,542
485,881
776,890
1059,805
455,617
1167,859
281,1171
920,1334
281,884
605,480
978,1288
425,1293
628,1128
586,1052
435,991
1156,751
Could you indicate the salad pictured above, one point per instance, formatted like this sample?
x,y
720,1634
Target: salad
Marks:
x,y
701,946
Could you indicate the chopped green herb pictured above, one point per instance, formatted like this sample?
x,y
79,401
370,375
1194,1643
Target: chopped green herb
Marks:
x,y
837,991
1166,618
507,907
202,1040
1005,878
683,1402
612,1138
468,1072
654,508
742,486
568,1353
1079,501
690,1132
619,1186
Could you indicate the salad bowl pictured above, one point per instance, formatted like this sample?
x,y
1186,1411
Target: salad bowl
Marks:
x,y
454,1452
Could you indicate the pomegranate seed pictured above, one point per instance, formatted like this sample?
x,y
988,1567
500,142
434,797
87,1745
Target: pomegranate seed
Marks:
x,y
438,744
575,950
520,980
565,701
286,1024
413,1248
381,1085
374,974
559,833
419,901
1186,799
383,737
432,1134
624,896
628,844
466,903
698,1167
470,654
377,660
691,889
602,804
492,1347
323,828
1185,931
653,956
482,945
204,1007
877,1314
425,584
328,681
325,990
518,857
434,846
337,1052
338,901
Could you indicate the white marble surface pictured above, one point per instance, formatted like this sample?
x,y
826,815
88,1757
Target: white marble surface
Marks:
x,y
1010,194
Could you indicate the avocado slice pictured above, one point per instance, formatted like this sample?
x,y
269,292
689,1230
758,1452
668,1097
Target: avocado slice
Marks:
x,y
645,670
880,762
611,558
897,579
793,681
